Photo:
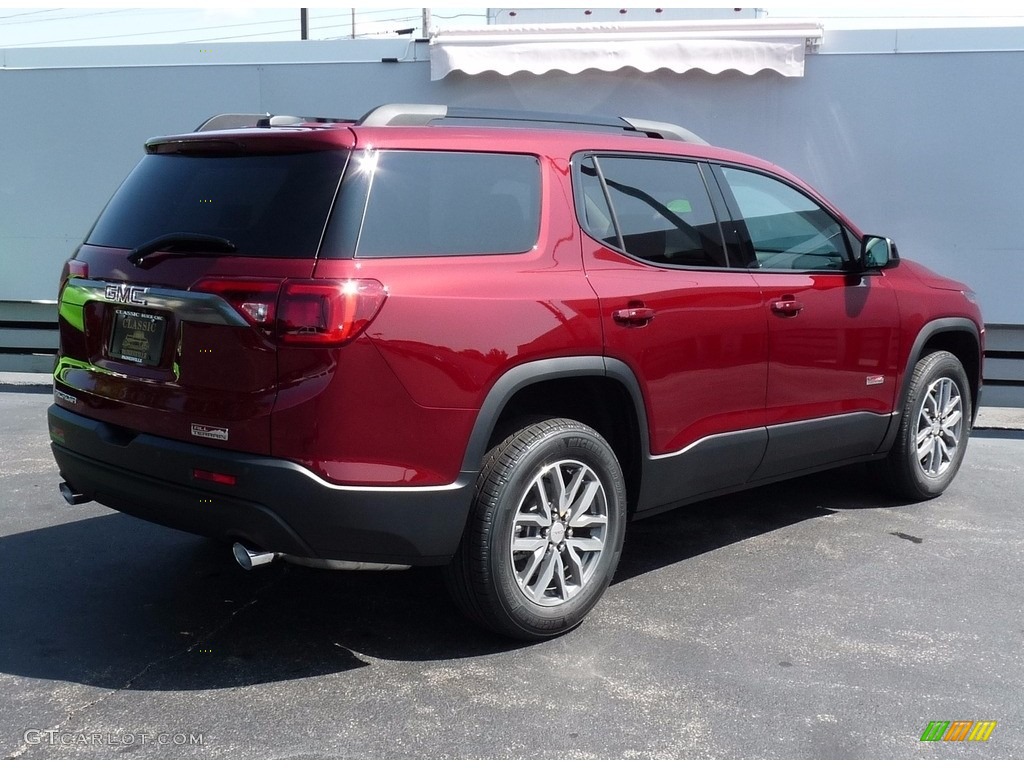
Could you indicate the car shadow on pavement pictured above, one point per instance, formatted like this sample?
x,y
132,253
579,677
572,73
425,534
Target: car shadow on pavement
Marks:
x,y
114,602
998,434
655,542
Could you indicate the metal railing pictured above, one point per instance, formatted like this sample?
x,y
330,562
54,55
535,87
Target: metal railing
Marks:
x,y
28,344
28,336
1004,366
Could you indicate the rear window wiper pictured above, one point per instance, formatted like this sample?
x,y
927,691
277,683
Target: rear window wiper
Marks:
x,y
184,241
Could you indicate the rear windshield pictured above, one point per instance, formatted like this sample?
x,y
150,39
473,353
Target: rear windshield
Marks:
x,y
267,205
428,203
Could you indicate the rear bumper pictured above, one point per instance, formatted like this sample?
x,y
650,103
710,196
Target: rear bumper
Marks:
x,y
275,505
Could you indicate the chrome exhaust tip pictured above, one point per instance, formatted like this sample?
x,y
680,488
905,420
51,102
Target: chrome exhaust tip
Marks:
x,y
248,559
71,496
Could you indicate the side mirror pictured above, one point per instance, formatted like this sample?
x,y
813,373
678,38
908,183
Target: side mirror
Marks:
x,y
877,252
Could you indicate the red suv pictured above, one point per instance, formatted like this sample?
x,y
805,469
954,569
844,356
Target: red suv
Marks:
x,y
484,341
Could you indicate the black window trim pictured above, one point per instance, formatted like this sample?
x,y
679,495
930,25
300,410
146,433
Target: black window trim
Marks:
x,y
736,219
607,201
334,203
703,168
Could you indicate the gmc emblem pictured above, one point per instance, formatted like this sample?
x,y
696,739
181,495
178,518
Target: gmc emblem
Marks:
x,y
126,294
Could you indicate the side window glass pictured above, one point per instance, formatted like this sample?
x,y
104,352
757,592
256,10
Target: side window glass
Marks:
x,y
426,203
662,209
787,229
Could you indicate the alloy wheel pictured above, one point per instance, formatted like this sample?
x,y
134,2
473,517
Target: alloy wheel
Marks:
x,y
559,532
939,426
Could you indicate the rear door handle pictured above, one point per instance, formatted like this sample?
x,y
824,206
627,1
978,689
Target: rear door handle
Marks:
x,y
633,316
787,306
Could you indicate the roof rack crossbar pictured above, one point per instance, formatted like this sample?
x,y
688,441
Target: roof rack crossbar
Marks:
x,y
424,114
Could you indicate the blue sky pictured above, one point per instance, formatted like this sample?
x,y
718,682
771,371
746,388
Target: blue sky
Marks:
x,y
257,21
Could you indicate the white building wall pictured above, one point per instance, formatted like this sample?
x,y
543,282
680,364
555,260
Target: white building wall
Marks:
x,y
924,147
919,142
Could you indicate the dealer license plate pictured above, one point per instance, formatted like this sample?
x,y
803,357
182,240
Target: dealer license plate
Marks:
x,y
137,336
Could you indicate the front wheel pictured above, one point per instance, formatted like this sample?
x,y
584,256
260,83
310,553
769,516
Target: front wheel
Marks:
x,y
934,429
545,532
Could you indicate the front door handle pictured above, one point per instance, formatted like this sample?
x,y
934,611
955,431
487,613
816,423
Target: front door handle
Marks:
x,y
633,316
787,306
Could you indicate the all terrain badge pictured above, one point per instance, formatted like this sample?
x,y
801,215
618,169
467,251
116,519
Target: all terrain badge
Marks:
x,y
210,433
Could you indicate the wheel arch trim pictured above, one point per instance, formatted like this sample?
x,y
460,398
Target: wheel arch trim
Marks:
x,y
929,331
538,371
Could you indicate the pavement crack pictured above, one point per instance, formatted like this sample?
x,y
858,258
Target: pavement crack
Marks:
x,y
71,714
202,639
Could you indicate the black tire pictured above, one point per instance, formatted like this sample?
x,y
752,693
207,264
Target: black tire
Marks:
x,y
507,593
920,478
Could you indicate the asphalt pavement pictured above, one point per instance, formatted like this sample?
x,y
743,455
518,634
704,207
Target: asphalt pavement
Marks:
x,y
816,618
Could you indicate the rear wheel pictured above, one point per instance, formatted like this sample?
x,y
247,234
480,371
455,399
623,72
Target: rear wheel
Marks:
x,y
545,532
934,429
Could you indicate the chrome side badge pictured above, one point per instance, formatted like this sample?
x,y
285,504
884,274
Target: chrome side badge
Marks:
x,y
65,396
210,433
875,380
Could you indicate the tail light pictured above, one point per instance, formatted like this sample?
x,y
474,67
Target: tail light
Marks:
x,y
327,312
73,268
254,299
76,268
302,312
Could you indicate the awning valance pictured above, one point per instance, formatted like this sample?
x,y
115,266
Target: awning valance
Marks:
x,y
747,46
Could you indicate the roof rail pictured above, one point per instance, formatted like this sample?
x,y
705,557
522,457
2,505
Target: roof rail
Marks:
x,y
265,120
226,121
663,130
424,114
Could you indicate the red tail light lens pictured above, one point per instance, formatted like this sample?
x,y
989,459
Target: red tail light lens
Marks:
x,y
327,312
73,268
77,268
254,299
302,312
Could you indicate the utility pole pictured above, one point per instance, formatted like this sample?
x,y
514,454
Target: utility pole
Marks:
x,y
353,23
304,23
426,23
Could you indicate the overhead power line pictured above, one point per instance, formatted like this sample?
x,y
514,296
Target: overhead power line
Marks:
x,y
290,22
221,38
390,21
29,13
377,16
72,17
319,29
